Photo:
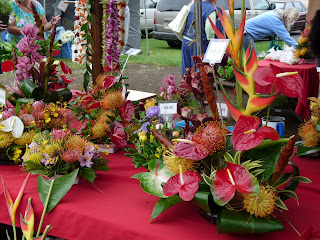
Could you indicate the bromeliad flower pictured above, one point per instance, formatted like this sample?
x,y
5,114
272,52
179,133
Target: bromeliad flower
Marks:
x,y
186,184
231,178
246,135
289,83
210,137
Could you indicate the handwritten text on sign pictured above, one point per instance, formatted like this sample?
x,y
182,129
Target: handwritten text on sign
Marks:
x,y
168,108
216,50
223,109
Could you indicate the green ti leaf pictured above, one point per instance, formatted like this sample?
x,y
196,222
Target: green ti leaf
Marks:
x,y
163,204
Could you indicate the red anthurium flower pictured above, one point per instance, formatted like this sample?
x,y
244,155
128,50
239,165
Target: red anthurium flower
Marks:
x,y
93,105
126,111
54,86
65,69
109,81
118,135
289,83
190,150
246,135
231,178
186,184
7,66
309,234
56,52
66,80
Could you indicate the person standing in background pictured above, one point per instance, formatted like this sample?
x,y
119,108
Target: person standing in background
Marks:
x,y
22,14
188,40
269,24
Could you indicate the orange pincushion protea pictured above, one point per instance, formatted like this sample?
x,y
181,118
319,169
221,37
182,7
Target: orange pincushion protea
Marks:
x,y
98,130
76,142
70,156
100,78
112,100
211,136
309,134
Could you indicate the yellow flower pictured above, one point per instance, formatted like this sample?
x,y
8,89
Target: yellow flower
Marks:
x,y
56,115
151,138
6,139
48,120
149,103
16,154
302,40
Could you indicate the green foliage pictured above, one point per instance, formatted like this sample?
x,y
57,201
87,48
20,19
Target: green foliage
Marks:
x,y
6,7
163,204
52,191
228,73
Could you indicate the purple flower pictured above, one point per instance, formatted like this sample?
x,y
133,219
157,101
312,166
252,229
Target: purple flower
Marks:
x,y
144,127
24,45
48,160
30,30
85,160
152,112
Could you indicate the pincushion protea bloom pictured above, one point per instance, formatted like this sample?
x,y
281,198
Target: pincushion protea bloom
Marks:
x,y
70,155
210,137
309,134
261,204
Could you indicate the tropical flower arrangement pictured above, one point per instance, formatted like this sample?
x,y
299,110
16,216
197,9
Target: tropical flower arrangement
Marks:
x,y
36,73
238,179
60,152
303,48
67,36
309,131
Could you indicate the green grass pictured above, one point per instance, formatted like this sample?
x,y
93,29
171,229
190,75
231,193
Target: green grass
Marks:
x,y
162,54
159,54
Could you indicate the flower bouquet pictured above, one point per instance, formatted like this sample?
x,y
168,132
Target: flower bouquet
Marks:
x,y
303,48
60,152
309,131
239,180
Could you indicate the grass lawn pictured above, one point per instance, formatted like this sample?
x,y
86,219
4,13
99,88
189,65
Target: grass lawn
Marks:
x,y
161,54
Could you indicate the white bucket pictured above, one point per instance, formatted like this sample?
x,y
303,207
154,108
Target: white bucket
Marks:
x,y
276,122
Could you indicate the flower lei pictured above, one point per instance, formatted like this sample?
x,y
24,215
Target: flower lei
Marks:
x,y
113,31
81,14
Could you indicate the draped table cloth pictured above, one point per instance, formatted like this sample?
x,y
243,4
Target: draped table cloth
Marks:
x,y
122,210
310,80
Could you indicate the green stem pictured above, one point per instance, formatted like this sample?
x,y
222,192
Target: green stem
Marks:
x,y
45,208
201,106
269,107
22,237
14,230
46,231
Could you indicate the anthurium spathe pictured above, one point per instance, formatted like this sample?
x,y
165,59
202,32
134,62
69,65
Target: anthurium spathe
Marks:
x,y
12,206
289,83
14,125
27,223
151,181
231,178
247,135
126,111
118,135
186,184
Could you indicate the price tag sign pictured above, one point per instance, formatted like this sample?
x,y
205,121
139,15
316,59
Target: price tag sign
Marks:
x,y
62,6
318,69
216,50
168,107
2,97
223,110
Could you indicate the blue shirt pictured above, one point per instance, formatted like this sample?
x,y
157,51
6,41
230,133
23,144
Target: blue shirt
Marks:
x,y
268,24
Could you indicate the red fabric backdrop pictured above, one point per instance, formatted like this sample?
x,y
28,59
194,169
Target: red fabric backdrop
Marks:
x,y
310,77
122,210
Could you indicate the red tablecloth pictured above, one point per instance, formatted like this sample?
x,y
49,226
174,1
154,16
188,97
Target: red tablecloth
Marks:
x,y
310,78
123,210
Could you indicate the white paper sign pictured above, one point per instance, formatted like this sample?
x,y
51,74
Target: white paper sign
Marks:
x,y
216,50
168,108
62,6
223,109
2,97
318,69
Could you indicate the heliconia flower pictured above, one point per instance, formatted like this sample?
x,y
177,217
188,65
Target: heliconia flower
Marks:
x,y
27,223
12,206
231,178
186,184
246,135
7,66
231,7
289,83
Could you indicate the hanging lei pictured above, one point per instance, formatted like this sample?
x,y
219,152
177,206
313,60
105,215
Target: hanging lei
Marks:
x,y
81,14
113,32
